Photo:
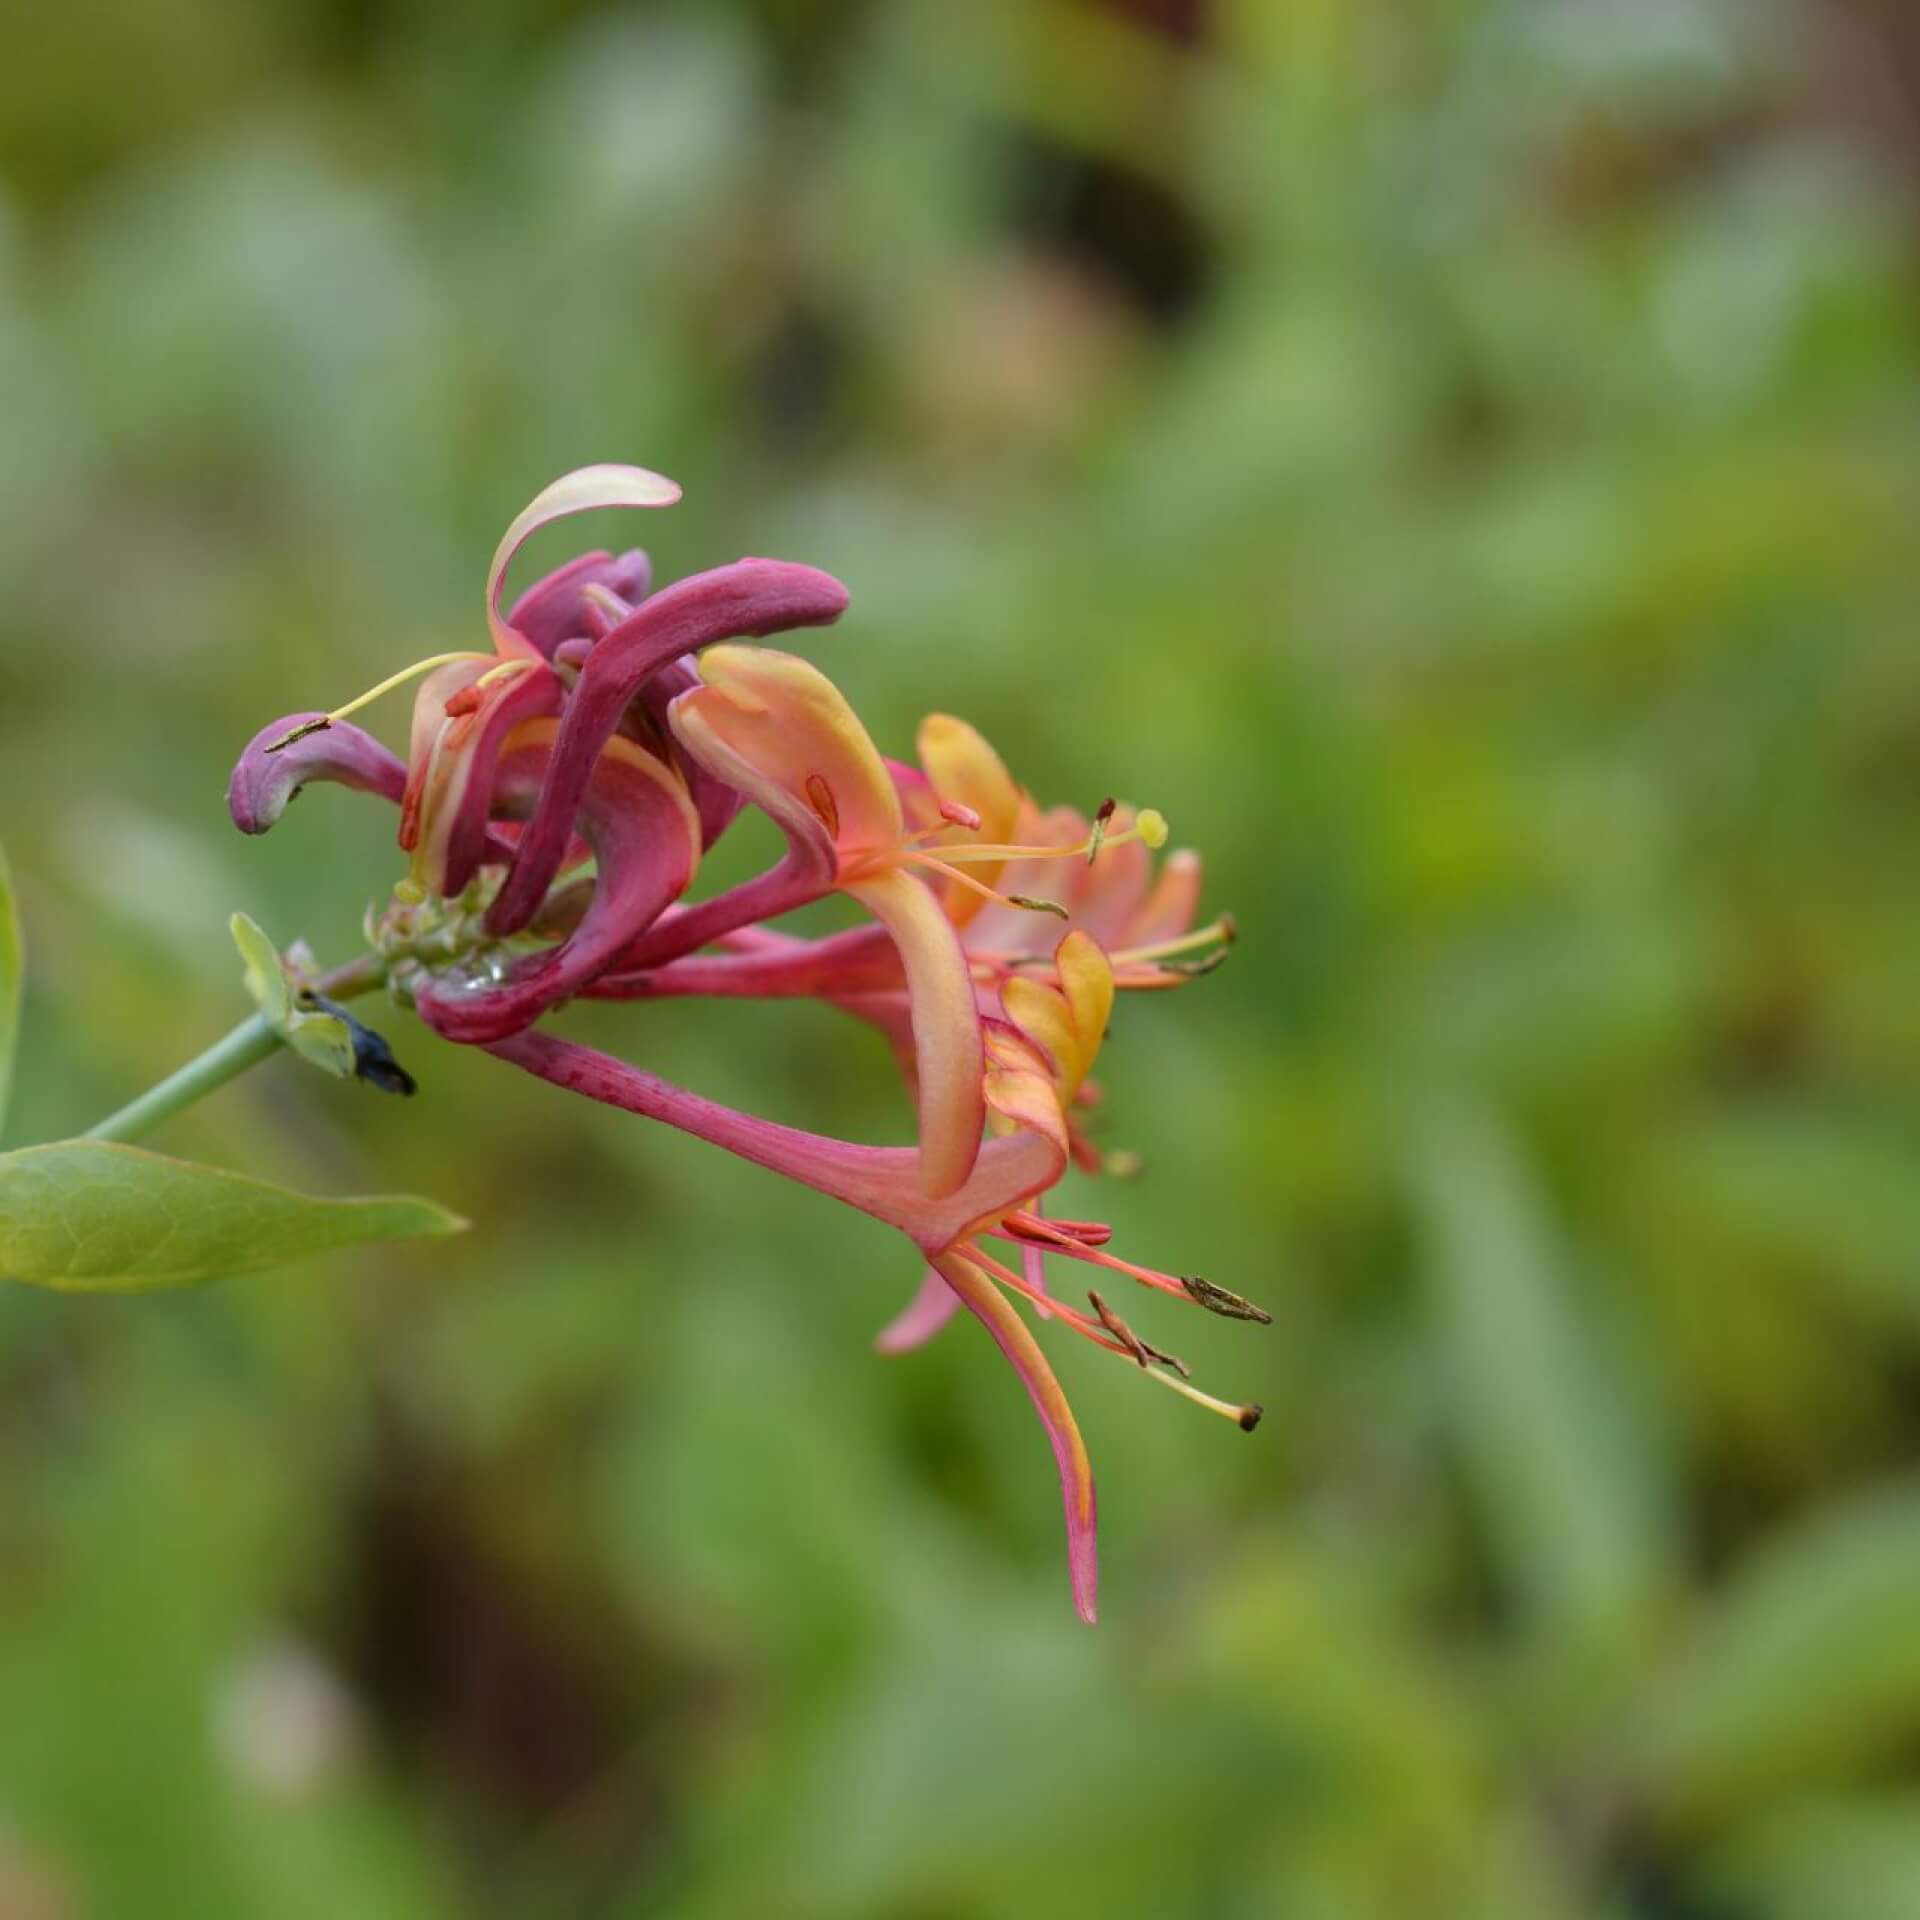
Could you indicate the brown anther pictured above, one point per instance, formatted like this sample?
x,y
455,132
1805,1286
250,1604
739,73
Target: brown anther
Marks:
x,y
299,733
467,700
1098,833
1195,969
1039,906
1229,928
1141,1351
1251,1416
820,799
1220,1300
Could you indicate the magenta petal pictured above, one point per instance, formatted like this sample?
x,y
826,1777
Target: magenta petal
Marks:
x,y
921,1318
755,597
714,801
643,835
861,959
531,694
1010,1334
263,783
556,608
881,1181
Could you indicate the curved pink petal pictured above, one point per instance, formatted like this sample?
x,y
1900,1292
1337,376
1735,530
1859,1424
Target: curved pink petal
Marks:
x,y
921,1318
645,838
748,597
714,800
1010,1334
881,1181
948,1056
862,960
264,782
556,608
582,491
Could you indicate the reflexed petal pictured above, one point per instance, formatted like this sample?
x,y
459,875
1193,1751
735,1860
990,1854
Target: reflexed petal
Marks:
x,y
921,1318
1086,978
1011,1335
645,837
1042,1014
1169,909
964,768
556,609
750,597
263,783
776,721
946,1027
714,800
1018,1087
582,491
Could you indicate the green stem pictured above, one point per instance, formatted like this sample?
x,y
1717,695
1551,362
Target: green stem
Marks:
x,y
252,1041
246,1046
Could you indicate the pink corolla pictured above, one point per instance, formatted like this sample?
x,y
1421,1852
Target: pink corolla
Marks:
x,y
558,792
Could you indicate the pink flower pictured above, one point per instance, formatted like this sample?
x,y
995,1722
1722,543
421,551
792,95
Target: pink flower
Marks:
x,y
613,723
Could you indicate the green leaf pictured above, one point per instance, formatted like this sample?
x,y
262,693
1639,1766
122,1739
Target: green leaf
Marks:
x,y
1807,1668
10,978
91,1216
323,1038
1572,1478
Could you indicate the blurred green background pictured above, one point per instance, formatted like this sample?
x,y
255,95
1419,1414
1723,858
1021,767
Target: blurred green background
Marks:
x,y
1460,460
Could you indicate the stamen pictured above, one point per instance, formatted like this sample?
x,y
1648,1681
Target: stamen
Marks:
x,y
1143,1353
1092,1233
1229,1305
1096,838
942,865
372,693
1116,1336
1034,904
1225,930
1035,1228
1149,825
1045,1303
1245,1418
956,815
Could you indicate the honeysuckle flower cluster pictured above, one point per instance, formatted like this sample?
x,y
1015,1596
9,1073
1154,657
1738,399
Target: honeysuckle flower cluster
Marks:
x,y
558,793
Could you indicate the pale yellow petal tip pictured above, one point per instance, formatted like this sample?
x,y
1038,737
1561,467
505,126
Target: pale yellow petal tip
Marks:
x,y
1152,827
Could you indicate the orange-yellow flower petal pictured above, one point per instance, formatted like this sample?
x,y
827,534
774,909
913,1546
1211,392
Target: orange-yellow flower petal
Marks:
x,y
779,730
578,492
948,1060
1010,1333
964,768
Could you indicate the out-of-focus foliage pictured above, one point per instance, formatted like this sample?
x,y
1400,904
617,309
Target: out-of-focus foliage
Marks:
x,y
1459,459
